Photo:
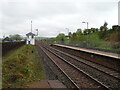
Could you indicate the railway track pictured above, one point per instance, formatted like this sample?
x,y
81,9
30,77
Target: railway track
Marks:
x,y
77,76
106,61
106,76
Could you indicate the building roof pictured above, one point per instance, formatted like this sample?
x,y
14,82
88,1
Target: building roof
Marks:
x,y
30,33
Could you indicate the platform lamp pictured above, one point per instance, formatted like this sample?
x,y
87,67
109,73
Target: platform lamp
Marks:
x,y
67,29
68,32
86,23
87,28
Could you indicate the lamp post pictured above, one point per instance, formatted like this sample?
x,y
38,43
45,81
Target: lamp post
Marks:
x,y
88,35
68,32
67,29
86,23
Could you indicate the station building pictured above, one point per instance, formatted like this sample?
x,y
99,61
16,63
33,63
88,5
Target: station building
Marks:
x,y
30,38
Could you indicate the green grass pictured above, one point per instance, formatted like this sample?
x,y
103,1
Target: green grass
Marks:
x,y
94,41
94,37
21,67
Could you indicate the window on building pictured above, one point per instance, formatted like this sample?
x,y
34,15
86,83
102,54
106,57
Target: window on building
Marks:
x,y
32,36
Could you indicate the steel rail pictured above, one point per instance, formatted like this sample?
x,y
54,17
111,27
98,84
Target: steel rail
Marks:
x,y
75,58
66,47
60,69
100,83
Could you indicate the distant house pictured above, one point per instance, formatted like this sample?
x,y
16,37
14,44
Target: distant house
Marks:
x,y
30,38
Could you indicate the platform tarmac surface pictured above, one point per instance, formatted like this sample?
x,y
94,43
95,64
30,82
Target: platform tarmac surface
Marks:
x,y
46,84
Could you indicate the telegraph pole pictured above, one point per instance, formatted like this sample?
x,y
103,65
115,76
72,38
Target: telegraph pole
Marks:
x,y
86,23
31,26
68,30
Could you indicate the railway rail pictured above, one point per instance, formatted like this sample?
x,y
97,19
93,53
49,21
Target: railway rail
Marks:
x,y
104,60
104,75
59,67
80,78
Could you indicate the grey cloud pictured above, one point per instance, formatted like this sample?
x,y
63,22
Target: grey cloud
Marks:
x,y
53,17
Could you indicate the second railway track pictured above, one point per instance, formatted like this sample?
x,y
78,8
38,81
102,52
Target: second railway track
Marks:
x,y
80,78
106,76
104,60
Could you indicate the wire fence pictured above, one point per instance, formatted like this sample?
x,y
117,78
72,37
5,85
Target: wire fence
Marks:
x,y
104,46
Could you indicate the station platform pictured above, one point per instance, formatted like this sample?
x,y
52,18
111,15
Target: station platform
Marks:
x,y
109,54
47,84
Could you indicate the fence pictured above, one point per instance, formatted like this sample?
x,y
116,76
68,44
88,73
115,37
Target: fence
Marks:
x,y
7,46
104,46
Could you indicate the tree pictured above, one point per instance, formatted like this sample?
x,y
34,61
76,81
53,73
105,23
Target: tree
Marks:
x,y
79,32
103,30
74,37
116,34
94,30
6,39
105,26
61,37
89,31
116,28
85,33
69,35
16,37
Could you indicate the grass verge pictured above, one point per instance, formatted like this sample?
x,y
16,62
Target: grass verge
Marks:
x,y
21,67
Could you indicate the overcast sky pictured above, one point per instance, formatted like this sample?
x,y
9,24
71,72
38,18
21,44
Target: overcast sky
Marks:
x,y
51,17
